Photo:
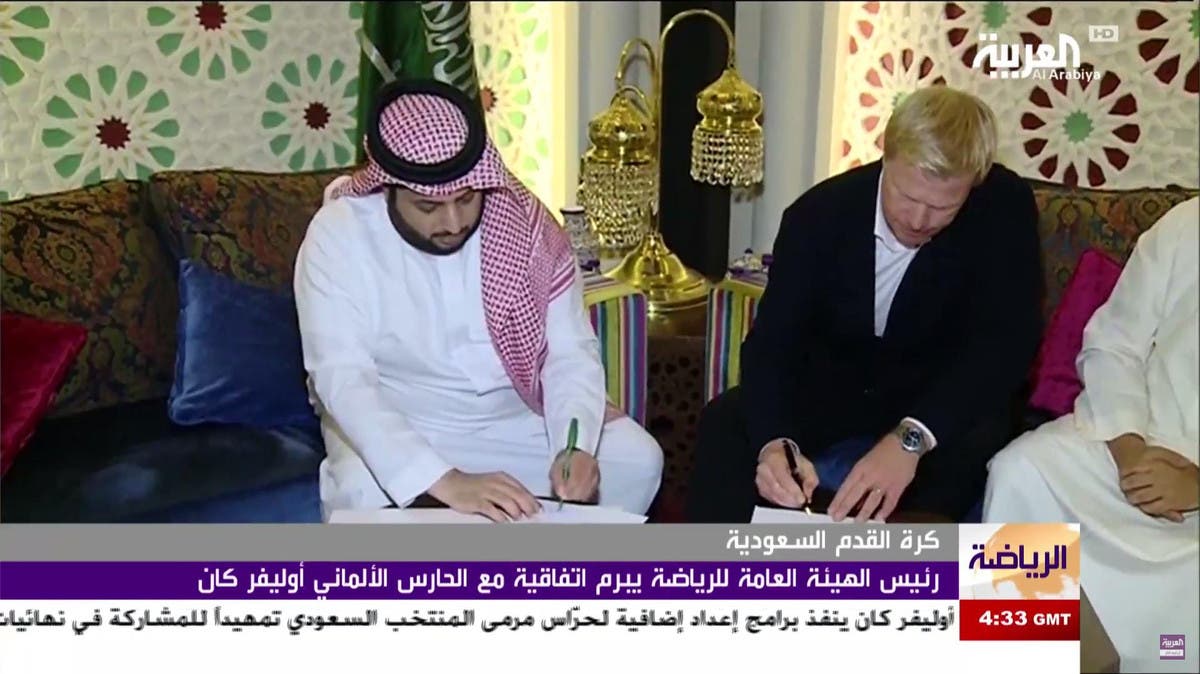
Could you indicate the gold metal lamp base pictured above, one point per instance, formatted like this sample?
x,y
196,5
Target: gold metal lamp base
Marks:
x,y
668,285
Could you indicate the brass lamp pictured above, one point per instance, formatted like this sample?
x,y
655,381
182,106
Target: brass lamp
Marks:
x,y
727,149
619,173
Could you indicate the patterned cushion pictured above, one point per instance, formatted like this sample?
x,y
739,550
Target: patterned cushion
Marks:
x,y
1074,219
618,314
86,256
245,224
732,304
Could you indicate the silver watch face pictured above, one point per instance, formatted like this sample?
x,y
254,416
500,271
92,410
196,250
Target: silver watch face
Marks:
x,y
911,439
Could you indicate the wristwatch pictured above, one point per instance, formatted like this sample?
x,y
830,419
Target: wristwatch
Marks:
x,y
911,438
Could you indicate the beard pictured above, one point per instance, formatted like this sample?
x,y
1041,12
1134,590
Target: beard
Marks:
x,y
427,244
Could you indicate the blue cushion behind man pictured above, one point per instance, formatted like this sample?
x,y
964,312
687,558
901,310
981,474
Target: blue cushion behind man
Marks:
x,y
238,359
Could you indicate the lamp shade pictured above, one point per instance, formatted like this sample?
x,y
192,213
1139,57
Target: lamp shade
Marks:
x,y
619,175
727,144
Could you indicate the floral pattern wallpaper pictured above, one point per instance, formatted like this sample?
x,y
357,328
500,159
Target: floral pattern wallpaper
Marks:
x,y
1132,124
100,90
513,61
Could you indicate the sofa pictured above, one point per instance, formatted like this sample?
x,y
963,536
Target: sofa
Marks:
x,y
108,258
1072,221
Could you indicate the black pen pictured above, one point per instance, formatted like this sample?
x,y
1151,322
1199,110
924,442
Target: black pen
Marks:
x,y
567,501
791,450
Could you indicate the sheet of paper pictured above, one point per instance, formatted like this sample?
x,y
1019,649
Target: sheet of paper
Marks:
x,y
570,514
785,516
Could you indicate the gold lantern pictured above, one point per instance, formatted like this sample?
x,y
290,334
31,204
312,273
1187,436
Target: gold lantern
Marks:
x,y
727,149
619,173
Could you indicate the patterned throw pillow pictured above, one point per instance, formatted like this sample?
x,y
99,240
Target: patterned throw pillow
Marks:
x,y
1072,220
86,256
245,225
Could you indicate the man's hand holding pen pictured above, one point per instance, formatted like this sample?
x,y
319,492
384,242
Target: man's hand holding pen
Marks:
x,y
579,481
574,475
784,476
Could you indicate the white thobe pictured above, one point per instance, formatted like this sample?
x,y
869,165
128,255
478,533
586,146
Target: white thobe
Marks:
x,y
407,383
1139,368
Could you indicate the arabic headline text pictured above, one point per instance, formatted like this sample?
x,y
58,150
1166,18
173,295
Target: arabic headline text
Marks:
x,y
480,580
925,616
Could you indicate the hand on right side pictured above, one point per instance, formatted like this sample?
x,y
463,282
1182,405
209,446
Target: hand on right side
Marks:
x,y
496,496
1158,481
1162,483
1126,450
775,481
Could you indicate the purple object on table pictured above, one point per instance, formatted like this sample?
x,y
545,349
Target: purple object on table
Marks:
x,y
750,264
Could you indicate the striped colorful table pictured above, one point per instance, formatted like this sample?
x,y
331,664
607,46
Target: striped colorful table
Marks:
x,y
618,314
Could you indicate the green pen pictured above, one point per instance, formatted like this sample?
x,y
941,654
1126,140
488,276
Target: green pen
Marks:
x,y
572,435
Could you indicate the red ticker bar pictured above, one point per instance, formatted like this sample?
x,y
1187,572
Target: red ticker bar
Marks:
x,y
1019,620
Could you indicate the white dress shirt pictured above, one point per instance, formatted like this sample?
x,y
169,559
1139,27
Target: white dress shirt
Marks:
x,y
892,259
891,262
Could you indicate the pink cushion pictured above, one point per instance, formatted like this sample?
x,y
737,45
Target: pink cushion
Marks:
x,y
1055,380
35,358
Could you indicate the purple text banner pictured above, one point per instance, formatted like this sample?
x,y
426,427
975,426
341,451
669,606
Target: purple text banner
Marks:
x,y
478,580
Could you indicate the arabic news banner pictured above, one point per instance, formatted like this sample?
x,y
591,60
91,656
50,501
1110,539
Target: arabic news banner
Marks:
x,y
920,598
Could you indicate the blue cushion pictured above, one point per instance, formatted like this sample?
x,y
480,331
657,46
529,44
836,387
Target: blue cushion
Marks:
x,y
238,358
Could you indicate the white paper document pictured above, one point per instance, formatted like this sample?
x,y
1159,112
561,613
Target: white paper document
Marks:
x,y
786,516
550,514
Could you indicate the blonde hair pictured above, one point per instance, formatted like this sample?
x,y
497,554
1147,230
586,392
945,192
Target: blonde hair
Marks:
x,y
943,131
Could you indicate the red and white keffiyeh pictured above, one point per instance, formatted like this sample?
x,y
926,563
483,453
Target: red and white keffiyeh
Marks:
x,y
527,260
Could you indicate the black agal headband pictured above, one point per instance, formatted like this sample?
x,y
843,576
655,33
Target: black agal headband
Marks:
x,y
446,171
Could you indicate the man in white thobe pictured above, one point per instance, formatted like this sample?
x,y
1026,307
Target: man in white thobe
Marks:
x,y
448,347
1124,465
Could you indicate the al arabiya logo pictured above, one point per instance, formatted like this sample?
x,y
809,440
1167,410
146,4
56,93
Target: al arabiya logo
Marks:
x,y
1044,62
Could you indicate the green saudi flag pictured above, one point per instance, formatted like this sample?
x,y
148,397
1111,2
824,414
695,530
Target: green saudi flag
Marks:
x,y
413,39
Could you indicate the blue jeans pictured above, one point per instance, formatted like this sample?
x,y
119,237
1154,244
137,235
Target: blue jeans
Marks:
x,y
835,463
